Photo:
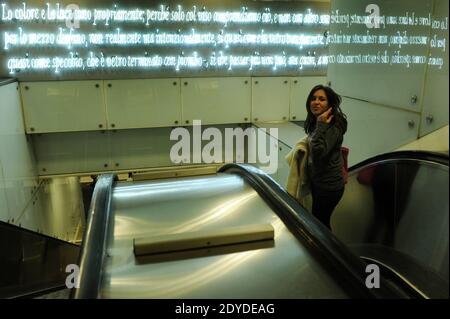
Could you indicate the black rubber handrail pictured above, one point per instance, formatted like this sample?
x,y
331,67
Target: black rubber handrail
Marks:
x,y
434,157
348,268
93,249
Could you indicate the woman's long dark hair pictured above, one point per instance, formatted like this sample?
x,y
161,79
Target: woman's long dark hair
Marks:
x,y
334,100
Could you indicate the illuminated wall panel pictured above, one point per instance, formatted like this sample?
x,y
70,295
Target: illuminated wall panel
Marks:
x,y
134,39
383,61
395,57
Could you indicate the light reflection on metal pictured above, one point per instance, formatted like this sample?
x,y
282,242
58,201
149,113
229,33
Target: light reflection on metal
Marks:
x,y
214,214
135,191
126,223
164,287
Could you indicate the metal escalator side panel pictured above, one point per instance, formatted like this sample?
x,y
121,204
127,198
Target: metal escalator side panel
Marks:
x,y
400,203
348,268
285,269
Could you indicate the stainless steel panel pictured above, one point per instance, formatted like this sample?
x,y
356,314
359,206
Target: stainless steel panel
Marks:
x,y
56,209
421,221
170,206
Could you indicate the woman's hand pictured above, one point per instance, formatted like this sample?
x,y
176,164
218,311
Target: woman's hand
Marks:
x,y
326,116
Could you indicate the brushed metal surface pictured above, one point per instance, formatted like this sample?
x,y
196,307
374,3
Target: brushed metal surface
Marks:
x,y
282,270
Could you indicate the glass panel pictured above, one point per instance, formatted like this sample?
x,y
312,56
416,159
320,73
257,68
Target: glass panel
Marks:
x,y
216,100
270,99
143,103
435,105
63,106
380,64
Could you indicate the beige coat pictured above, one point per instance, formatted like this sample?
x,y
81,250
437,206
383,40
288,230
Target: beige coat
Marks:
x,y
298,183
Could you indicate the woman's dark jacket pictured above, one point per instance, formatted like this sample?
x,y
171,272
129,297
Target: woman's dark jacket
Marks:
x,y
325,158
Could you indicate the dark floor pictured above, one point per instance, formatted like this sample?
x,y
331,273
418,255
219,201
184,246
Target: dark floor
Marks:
x,y
59,294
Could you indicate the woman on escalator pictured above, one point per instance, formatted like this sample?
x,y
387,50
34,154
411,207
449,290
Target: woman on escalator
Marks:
x,y
325,125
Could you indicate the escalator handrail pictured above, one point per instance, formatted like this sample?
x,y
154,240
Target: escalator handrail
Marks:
x,y
350,269
93,249
434,157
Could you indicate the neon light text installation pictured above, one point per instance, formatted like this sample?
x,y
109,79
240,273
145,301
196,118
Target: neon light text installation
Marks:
x,y
160,38
176,63
57,13
70,38
54,38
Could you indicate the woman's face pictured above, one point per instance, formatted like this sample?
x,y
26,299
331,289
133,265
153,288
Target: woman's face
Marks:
x,y
318,103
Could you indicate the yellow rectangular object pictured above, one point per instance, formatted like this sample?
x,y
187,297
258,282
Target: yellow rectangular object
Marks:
x,y
202,239
204,252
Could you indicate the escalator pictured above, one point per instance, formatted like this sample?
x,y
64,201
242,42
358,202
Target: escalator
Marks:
x,y
394,213
304,259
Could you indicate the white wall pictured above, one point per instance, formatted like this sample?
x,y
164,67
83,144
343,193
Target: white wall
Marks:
x,y
18,174
50,207
65,144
